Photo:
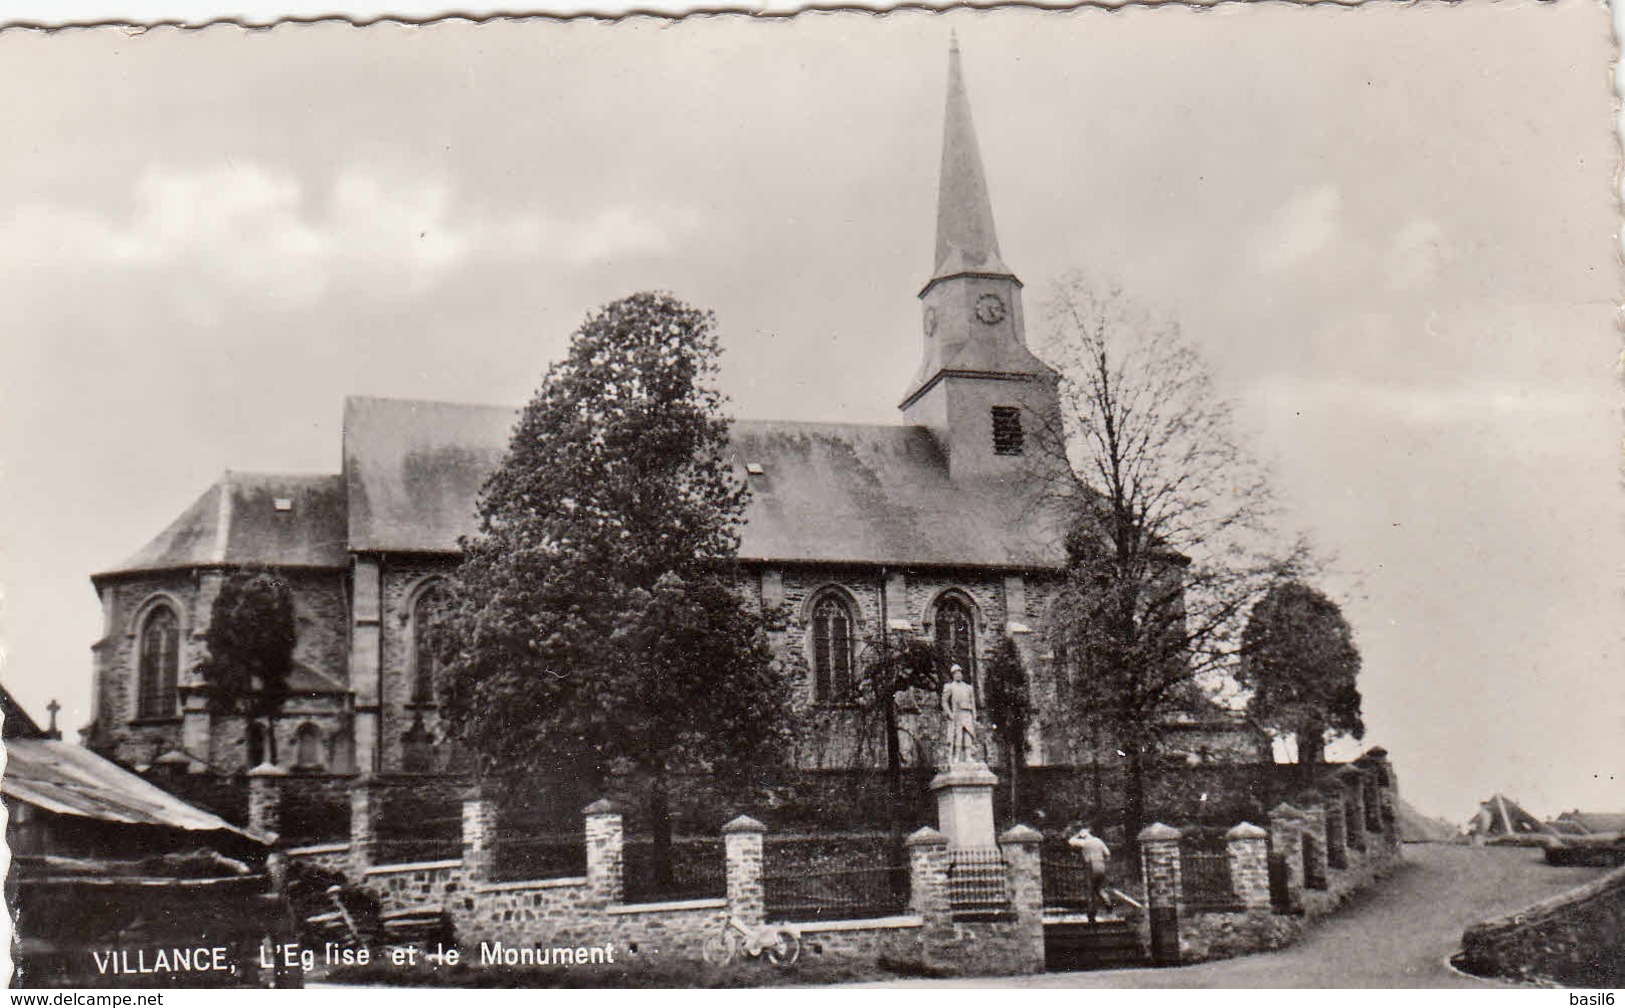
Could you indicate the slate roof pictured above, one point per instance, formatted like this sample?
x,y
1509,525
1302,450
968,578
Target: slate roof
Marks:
x,y
829,493
414,469
877,493
236,522
71,780
1595,822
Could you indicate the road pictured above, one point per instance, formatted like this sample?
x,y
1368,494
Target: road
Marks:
x,y
1399,933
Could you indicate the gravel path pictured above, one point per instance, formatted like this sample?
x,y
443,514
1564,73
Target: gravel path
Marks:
x,y
1397,934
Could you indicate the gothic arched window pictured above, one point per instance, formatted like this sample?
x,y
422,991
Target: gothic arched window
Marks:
x,y
956,635
425,661
158,664
832,649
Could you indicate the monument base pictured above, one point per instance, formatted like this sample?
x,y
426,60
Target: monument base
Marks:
x,y
965,804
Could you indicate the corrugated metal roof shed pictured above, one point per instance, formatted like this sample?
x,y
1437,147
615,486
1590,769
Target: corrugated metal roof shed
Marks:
x,y
71,780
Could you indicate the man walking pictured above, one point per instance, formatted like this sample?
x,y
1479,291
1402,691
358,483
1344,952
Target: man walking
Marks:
x,y
1095,855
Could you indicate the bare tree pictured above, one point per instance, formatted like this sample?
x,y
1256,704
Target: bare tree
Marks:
x,y
1173,528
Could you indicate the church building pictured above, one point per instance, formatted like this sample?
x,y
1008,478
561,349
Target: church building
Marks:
x,y
942,525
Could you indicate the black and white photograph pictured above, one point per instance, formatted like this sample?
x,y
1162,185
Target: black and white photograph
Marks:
x,y
1116,497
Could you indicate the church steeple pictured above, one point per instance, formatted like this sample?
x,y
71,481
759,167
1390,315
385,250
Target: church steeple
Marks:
x,y
984,394
967,241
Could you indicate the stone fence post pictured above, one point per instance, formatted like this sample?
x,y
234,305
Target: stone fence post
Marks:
x,y
1247,847
1337,824
1024,881
1354,809
928,874
1287,835
1314,842
365,800
1159,863
606,844
265,798
479,834
742,845
1387,794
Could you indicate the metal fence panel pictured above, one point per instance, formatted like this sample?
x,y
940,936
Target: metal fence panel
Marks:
x,y
849,894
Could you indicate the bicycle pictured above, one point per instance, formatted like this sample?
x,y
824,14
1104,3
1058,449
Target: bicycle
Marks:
x,y
782,946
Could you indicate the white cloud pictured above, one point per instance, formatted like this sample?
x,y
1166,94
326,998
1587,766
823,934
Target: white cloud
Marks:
x,y
229,232
1304,227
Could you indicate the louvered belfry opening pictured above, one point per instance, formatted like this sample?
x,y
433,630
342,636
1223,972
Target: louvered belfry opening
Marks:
x,y
1008,438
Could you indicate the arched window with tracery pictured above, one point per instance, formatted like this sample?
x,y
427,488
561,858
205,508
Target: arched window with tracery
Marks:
x,y
956,635
425,660
158,664
832,649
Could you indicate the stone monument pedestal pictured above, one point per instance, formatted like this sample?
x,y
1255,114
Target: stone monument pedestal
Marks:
x,y
965,804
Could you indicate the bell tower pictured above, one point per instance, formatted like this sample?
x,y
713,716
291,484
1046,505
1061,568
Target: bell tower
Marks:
x,y
990,401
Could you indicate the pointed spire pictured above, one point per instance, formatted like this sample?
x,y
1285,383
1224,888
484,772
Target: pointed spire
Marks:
x,y
966,240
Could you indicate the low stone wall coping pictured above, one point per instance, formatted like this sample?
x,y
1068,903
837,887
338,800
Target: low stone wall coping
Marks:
x,y
874,924
643,908
392,869
1547,908
552,883
321,848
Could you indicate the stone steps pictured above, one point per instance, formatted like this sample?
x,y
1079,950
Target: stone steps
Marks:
x,y
1080,945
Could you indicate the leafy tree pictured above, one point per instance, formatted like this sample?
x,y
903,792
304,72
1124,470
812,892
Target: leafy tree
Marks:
x,y
1300,661
251,636
1009,707
1173,534
593,627
890,664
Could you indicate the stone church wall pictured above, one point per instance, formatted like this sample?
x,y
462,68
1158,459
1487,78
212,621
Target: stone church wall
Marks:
x,y
322,643
117,733
843,742
321,608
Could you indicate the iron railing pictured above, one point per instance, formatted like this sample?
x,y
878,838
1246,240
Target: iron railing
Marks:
x,y
1280,883
698,871
398,851
848,894
1066,875
1206,880
1066,883
976,881
538,857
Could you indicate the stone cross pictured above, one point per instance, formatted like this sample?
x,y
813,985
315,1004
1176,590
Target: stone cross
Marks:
x,y
53,731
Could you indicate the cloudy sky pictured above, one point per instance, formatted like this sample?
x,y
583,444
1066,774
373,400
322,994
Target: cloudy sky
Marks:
x,y
1391,228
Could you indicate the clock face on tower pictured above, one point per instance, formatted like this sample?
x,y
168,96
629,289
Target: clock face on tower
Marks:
x,y
990,308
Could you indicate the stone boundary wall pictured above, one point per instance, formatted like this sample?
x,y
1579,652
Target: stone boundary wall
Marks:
x,y
1337,841
1573,938
410,886
332,857
496,921
1340,840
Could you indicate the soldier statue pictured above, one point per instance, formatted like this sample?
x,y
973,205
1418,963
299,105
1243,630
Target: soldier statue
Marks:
x,y
959,713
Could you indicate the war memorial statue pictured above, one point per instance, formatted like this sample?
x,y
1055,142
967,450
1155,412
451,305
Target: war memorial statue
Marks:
x,y
959,717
